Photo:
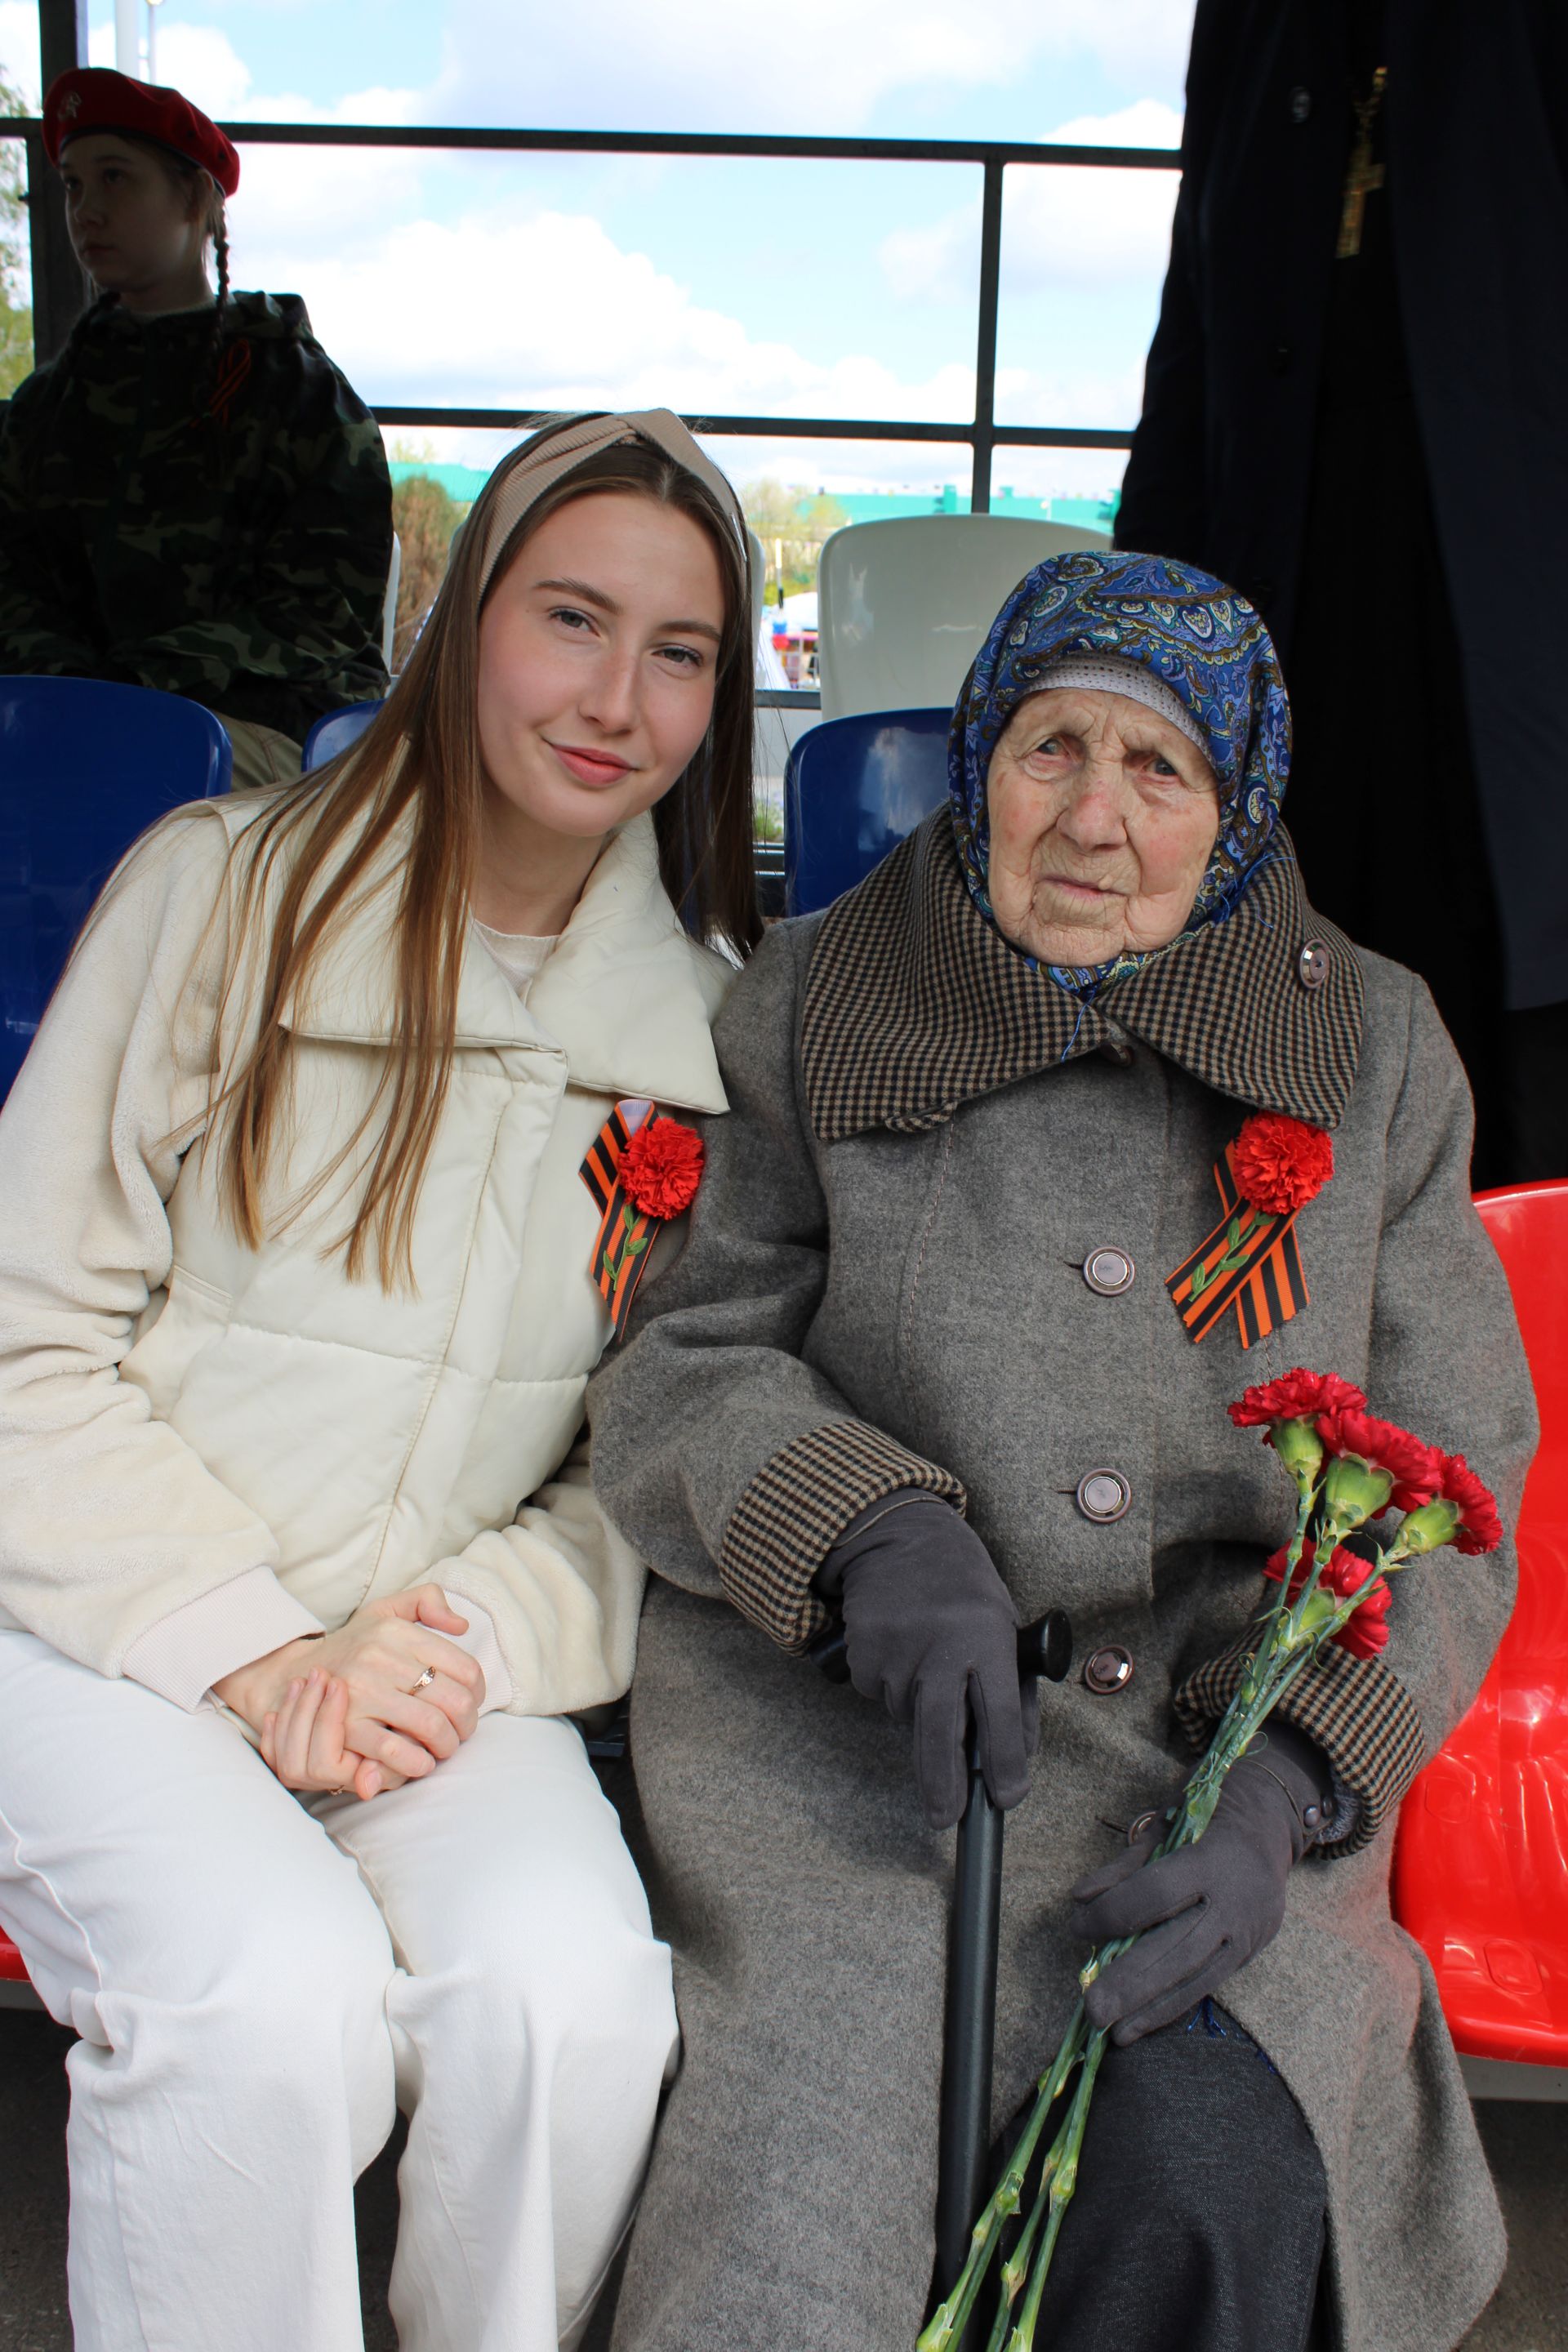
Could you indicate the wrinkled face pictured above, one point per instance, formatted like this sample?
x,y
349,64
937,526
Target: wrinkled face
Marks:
x,y
130,225
1103,816
598,657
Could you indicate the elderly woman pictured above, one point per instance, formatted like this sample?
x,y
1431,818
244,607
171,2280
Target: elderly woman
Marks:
x,y
918,1359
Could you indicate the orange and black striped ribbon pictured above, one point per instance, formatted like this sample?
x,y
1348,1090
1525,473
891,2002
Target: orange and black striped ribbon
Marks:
x,y
231,375
1263,1280
625,1234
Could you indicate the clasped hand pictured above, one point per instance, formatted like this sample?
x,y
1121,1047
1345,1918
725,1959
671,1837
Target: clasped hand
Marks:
x,y
341,1711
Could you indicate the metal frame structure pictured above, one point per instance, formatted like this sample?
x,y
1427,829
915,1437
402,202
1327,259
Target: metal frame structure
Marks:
x,y
982,433
58,286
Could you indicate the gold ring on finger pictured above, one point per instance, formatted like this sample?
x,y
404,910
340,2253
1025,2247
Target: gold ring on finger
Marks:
x,y
427,1676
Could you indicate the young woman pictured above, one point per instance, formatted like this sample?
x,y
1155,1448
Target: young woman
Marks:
x,y
299,1568
192,497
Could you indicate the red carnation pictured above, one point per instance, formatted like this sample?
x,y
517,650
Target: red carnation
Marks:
x,y
1299,1396
1281,1163
661,1167
1365,1633
1417,1469
1480,1529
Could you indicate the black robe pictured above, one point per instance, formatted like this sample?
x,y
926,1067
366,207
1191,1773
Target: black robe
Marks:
x,y
1376,452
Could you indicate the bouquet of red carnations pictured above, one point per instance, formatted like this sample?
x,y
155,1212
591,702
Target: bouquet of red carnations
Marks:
x,y
1349,1468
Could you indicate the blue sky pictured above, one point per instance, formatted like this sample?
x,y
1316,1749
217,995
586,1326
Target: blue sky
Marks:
x,y
821,289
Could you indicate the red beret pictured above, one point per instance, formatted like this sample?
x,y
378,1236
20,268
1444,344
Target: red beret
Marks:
x,y
92,97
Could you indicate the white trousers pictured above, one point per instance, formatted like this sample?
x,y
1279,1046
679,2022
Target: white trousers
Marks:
x,y
257,1983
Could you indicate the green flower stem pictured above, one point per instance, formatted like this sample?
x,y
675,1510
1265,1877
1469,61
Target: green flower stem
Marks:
x,y
1269,1630
1260,1692
1015,2269
1063,2182
951,2317
1288,1641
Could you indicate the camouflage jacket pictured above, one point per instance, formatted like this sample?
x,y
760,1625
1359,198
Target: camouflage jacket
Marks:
x,y
219,532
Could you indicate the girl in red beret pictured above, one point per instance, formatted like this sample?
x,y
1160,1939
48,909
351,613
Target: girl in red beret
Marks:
x,y
192,495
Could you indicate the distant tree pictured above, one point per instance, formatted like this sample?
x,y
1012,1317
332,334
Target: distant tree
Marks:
x,y
16,318
792,524
425,517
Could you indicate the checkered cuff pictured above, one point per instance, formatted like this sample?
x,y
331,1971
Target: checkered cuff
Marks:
x,y
1358,1711
795,1509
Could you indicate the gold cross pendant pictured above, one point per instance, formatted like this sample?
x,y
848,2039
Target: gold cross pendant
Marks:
x,y
1364,177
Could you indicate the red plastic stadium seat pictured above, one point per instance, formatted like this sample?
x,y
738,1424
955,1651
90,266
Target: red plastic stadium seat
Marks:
x,y
1480,1872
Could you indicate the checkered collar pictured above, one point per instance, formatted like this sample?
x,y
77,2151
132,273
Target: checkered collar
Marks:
x,y
914,1005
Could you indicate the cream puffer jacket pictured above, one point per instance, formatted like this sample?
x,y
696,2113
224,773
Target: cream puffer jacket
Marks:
x,y
207,1449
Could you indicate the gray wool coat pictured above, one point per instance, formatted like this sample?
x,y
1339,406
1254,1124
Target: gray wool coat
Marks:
x,y
907,1300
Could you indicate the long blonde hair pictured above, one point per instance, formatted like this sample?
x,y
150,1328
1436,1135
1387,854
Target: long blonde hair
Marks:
x,y
418,764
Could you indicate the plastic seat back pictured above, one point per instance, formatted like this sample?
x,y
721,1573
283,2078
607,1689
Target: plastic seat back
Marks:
x,y
85,767
904,607
853,789
332,736
1480,1874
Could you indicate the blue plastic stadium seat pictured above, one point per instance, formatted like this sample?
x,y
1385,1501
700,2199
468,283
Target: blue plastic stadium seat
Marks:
x,y
335,733
84,768
853,789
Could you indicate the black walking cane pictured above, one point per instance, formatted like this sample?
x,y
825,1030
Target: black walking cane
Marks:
x,y
963,2129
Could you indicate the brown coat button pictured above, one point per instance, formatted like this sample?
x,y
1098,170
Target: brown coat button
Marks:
x,y
1312,965
1108,1271
1109,1670
1103,1495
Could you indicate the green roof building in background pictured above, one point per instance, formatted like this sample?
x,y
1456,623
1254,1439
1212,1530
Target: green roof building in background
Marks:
x,y
881,506
464,483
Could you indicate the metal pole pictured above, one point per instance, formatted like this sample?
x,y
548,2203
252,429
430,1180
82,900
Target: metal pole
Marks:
x,y
964,2127
59,289
127,39
985,339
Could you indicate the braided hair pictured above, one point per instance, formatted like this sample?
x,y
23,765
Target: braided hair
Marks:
x,y
204,201
217,228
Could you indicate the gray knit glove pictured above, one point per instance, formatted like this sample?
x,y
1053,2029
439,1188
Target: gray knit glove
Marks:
x,y
931,1631
1201,1913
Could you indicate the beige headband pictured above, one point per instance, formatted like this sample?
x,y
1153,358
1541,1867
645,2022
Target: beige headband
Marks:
x,y
534,469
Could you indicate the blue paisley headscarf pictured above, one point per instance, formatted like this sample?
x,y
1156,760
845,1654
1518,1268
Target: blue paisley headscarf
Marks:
x,y
1201,640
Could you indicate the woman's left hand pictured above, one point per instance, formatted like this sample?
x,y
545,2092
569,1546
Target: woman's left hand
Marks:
x,y
304,1741
1200,1914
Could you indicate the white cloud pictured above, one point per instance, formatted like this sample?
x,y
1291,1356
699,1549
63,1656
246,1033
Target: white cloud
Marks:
x,y
289,197
1061,225
1147,123
1142,43
198,60
824,65
201,61
543,309
820,66
515,305
305,210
